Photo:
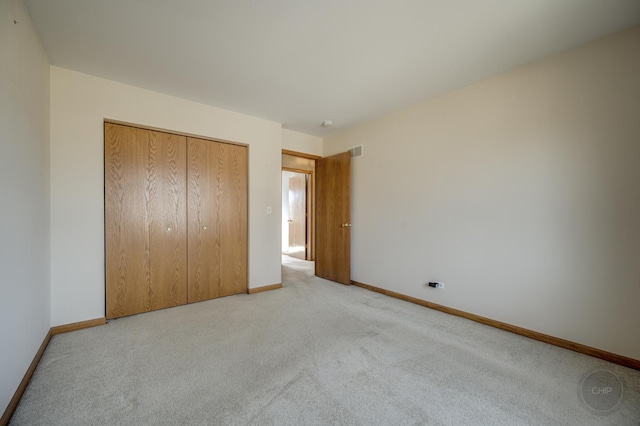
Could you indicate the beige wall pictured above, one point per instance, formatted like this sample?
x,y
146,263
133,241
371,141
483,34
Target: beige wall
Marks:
x,y
300,142
80,103
521,193
24,191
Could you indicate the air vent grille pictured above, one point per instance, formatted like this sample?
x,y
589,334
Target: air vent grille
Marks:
x,y
356,151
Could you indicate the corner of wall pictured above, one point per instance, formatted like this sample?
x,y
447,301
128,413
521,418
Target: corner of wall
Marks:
x,y
24,189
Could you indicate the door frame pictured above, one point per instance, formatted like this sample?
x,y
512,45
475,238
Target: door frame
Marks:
x,y
311,198
308,200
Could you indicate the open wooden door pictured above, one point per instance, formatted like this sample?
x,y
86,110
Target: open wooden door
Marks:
x,y
333,218
298,216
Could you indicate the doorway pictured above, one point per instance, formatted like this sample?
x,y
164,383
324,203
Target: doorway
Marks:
x,y
298,205
295,211
326,184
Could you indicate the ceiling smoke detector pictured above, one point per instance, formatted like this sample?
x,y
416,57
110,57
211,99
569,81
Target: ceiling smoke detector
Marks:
x,y
327,123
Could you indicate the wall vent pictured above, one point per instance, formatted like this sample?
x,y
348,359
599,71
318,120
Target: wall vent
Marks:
x,y
356,151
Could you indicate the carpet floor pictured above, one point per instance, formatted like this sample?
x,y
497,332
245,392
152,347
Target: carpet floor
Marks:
x,y
311,353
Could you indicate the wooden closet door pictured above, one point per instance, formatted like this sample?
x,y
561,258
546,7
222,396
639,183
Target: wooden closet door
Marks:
x,y
126,153
145,220
232,218
167,186
217,219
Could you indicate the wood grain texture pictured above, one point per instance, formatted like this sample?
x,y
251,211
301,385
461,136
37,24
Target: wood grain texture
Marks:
x,y
217,219
167,186
301,154
145,220
291,169
333,209
232,218
15,400
298,216
127,274
264,288
203,281
175,219
173,132
556,341
66,328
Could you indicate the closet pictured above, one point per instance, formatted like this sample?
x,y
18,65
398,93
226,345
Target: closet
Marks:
x,y
175,219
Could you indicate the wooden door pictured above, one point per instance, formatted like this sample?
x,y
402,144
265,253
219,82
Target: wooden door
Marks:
x,y
333,218
217,219
167,216
145,227
298,216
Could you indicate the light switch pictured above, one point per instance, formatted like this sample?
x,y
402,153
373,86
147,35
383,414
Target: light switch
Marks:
x,y
269,210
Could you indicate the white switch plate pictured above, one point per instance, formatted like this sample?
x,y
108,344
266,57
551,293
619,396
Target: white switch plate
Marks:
x,y
269,210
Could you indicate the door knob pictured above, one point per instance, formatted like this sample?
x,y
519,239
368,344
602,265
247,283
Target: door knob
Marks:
x,y
346,225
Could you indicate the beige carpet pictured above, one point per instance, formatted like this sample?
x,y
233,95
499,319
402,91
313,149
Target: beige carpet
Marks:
x,y
313,352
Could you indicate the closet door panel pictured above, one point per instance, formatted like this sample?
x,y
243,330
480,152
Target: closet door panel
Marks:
x,y
204,189
167,219
232,218
175,220
128,282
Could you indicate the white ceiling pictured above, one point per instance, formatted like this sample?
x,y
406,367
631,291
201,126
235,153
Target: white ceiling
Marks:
x,y
300,62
